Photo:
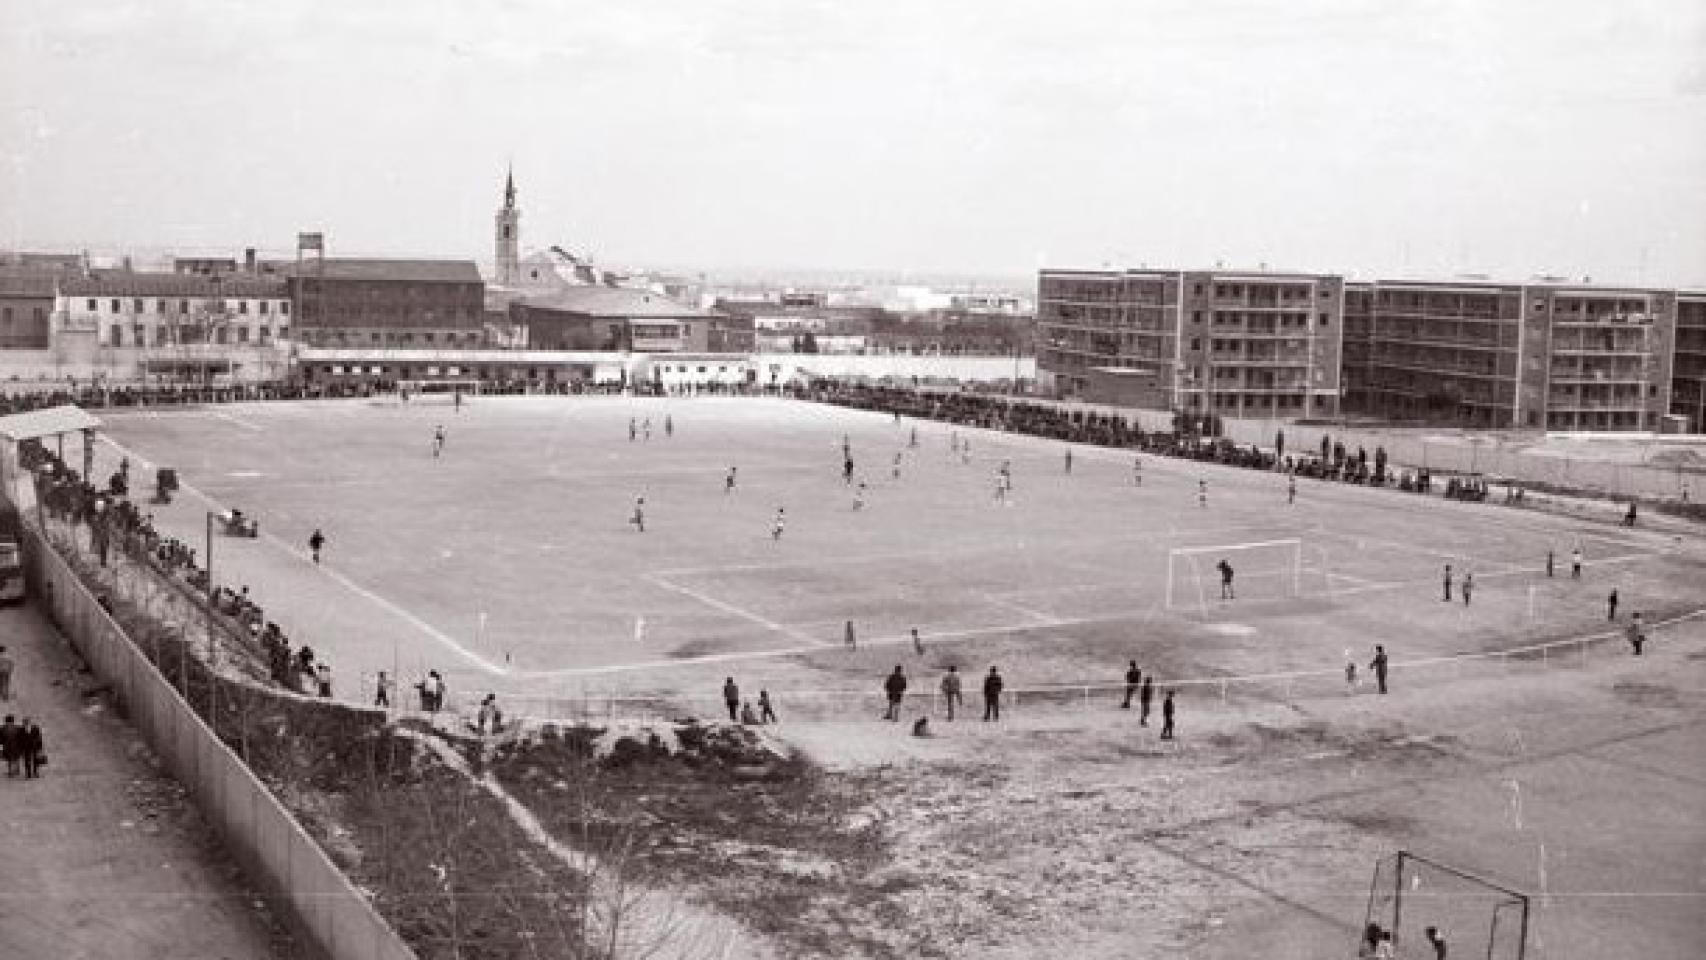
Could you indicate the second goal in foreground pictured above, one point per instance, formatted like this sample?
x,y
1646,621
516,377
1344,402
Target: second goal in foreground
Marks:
x,y
1263,570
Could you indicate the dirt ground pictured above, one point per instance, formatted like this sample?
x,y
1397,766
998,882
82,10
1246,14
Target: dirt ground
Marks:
x,y
1066,830
104,856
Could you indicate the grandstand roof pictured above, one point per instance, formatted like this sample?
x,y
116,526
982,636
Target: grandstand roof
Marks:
x,y
46,423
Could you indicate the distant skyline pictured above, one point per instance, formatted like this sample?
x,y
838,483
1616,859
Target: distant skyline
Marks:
x,y
1432,138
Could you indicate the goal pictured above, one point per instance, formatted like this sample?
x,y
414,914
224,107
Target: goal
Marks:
x,y
1475,916
438,391
1266,570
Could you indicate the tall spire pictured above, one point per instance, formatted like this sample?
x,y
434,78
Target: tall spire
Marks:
x,y
509,189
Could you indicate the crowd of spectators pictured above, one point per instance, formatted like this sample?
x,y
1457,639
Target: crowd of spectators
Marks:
x,y
114,520
1192,437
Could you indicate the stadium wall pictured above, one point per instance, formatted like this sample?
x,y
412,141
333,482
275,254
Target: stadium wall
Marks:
x,y
261,834
781,367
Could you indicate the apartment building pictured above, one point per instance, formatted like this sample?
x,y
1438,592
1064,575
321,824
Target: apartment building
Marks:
x,y
1543,356
1688,366
1237,343
121,308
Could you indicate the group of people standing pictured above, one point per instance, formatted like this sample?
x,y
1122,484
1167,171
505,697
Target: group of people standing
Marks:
x,y
21,744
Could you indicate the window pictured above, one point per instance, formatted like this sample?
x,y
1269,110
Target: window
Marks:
x,y
183,307
1325,319
242,334
264,334
242,306
115,304
428,337
93,306
159,336
139,335
219,335
284,308
1196,316
283,333
137,305
160,307
261,308
1196,343
116,336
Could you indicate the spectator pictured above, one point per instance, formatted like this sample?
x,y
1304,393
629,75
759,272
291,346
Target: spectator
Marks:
x,y
951,694
731,699
6,666
382,691
894,688
992,685
766,712
1167,716
1133,679
34,750
1378,665
11,745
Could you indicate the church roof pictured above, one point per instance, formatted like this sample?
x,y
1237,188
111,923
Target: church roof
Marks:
x,y
612,302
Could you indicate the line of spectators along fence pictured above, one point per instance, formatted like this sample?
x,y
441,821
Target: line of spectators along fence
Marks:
x,y
1192,439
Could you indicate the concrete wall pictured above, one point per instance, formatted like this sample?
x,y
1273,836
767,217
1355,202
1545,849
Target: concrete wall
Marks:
x,y
263,836
967,369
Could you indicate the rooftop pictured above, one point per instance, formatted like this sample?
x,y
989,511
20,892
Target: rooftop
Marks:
x,y
124,283
406,271
612,302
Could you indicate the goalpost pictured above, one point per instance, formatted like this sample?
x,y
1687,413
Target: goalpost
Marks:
x,y
1263,570
1478,917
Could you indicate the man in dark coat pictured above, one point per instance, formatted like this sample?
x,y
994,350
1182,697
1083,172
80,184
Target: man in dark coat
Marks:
x,y
11,745
894,687
1145,696
1167,716
992,685
731,698
1378,664
1133,677
32,744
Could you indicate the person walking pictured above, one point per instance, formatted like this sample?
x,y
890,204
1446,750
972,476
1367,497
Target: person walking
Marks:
x,y
323,680
766,712
34,749
1611,605
382,691
1378,665
894,687
1550,559
1225,579
1069,461
1468,585
992,685
951,694
1636,632
11,744
316,541
850,639
1576,563
1447,584
1145,696
1291,490
1436,941
1167,716
1133,680
7,665
917,642
731,699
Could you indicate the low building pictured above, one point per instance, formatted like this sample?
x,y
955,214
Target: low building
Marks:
x,y
613,319
343,302
118,308
26,307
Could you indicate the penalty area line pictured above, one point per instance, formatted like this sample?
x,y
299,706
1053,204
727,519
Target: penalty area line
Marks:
x,y
729,608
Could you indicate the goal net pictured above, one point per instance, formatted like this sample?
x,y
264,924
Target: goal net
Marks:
x,y
1475,916
1266,570
437,391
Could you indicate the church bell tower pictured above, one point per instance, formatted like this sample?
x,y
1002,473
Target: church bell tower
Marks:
x,y
507,235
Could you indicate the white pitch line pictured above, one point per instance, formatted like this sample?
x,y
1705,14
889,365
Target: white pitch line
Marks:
x,y
726,607
239,421
1036,615
436,634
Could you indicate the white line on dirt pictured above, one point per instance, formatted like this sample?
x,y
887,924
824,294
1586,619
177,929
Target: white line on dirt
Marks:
x,y
424,627
726,607
239,421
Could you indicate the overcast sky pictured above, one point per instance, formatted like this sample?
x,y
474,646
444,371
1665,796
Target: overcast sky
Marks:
x,y
1374,137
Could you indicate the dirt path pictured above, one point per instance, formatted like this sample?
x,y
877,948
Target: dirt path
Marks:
x,y
104,856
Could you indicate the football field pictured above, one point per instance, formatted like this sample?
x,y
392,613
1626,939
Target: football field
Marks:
x,y
510,564
511,558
